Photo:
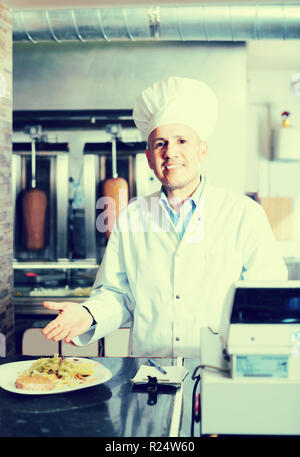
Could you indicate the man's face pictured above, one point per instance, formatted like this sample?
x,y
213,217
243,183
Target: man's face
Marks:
x,y
175,154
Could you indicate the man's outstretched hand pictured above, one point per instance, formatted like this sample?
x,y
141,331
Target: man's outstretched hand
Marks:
x,y
73,320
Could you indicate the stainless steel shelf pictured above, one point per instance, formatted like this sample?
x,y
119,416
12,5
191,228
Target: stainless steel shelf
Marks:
x,y
33,305
63,265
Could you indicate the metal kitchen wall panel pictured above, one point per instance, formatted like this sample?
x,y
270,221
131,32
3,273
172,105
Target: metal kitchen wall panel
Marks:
x,y
110,76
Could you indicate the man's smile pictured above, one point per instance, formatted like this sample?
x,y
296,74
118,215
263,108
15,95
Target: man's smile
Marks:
x,y
173,166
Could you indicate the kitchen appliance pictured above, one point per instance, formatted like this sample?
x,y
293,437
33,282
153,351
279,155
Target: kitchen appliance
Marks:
x,y
52,272
250,369
47,171
34,202
97,166
115,189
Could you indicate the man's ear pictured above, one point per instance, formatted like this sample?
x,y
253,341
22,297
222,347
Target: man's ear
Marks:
x,y
203,150
148,155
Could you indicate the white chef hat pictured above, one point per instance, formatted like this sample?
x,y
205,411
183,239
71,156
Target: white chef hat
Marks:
x,y
177,101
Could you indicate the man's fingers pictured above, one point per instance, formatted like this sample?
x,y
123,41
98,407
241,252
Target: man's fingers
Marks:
x,y
53,305
52,328
57,333
75,331
61,334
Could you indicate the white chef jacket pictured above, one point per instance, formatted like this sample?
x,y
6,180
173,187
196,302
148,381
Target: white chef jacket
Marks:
x,y
167,288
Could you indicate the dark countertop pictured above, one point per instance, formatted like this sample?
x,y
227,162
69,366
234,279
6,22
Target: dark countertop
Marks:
x,y
113,409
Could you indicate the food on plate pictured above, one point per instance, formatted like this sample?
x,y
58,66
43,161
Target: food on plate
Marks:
x,y
40,383
61,372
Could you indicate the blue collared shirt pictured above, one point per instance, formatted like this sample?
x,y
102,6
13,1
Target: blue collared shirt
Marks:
x,y
182,219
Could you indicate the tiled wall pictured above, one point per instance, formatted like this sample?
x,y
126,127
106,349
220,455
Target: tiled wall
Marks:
x,y
6,216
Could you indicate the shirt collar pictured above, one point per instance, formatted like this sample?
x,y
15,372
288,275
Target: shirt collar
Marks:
x,y
194,198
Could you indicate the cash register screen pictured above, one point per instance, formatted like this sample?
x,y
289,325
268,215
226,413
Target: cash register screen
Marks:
x,y
266,306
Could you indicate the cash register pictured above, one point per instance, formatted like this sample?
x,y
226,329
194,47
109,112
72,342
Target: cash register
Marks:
x,y
250,367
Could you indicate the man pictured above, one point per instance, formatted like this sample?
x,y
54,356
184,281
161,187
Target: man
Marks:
x,y
172,256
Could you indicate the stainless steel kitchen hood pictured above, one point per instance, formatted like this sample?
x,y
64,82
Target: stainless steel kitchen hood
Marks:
x,y
202,22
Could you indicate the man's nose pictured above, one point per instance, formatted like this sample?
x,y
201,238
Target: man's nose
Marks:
x,y
171,150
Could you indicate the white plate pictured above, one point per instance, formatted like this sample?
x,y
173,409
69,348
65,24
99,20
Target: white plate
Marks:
x,y
10,371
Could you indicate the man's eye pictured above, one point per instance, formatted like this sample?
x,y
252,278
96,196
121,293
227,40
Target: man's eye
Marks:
x,y
159,144
181,141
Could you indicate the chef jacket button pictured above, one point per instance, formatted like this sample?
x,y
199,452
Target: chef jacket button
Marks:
x,y
177,338
177,296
